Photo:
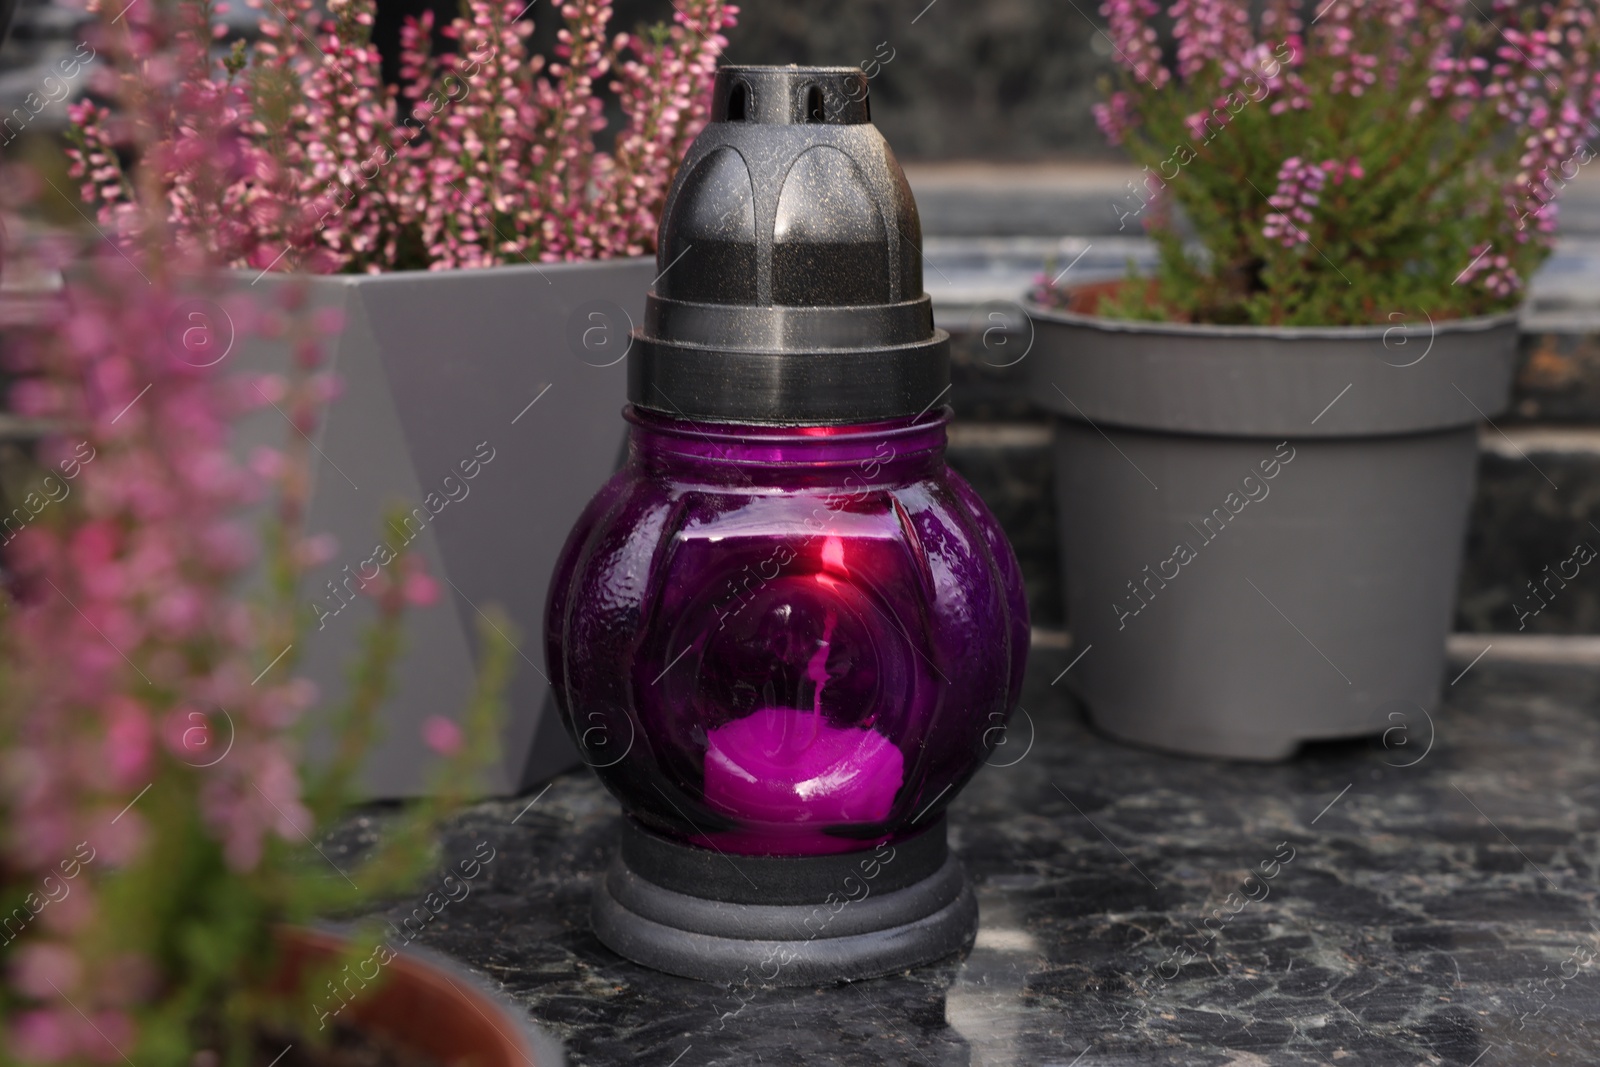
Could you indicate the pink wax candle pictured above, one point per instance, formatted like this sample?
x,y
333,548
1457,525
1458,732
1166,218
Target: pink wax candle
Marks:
x,y
787,765
792,766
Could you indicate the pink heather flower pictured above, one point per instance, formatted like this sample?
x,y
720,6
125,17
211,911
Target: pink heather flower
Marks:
x,y
330,321
73,913
1340,171
120,842
326,388
34,399
268,464
270,388
442,735
128,635
1212,31
1134,41
316,550
45,1035
226,545
418,587
1299,185
187,734
1493,272
1114,117
484,155
42,968
129,742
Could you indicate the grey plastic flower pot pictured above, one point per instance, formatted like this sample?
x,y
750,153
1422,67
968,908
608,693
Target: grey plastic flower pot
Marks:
x,y
484,404
1262,528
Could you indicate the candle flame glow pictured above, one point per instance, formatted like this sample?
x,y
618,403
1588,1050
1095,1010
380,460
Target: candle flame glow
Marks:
x,y
833,555
832,560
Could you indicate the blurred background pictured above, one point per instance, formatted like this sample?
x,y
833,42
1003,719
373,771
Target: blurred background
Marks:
x,y
988,107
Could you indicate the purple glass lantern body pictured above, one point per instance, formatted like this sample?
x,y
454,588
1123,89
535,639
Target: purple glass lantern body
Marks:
x,y
786,641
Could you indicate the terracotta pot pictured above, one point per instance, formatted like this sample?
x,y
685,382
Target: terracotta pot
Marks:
x,y
429,1004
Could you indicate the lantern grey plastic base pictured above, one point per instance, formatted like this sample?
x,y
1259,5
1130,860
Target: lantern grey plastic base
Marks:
x,y
1261,528
852,931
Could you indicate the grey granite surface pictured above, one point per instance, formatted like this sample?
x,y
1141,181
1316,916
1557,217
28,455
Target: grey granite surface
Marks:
x,y
1432,901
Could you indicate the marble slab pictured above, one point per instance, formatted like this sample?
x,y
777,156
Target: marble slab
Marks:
x,y
1432,900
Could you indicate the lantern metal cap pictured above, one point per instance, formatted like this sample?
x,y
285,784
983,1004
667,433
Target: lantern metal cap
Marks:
x,y
790,254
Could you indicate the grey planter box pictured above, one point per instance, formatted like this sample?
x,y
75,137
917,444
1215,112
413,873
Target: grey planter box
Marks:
x,y
516,372
1261,529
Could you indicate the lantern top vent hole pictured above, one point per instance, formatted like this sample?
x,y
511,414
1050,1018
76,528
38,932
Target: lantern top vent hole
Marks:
x,y
791,96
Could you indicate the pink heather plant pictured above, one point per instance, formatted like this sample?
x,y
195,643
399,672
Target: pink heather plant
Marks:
x,y
485,155
158,822
1344,162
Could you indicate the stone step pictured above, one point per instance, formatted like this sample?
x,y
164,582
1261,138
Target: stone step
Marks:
x,y
965,275
1463,651
1022,199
